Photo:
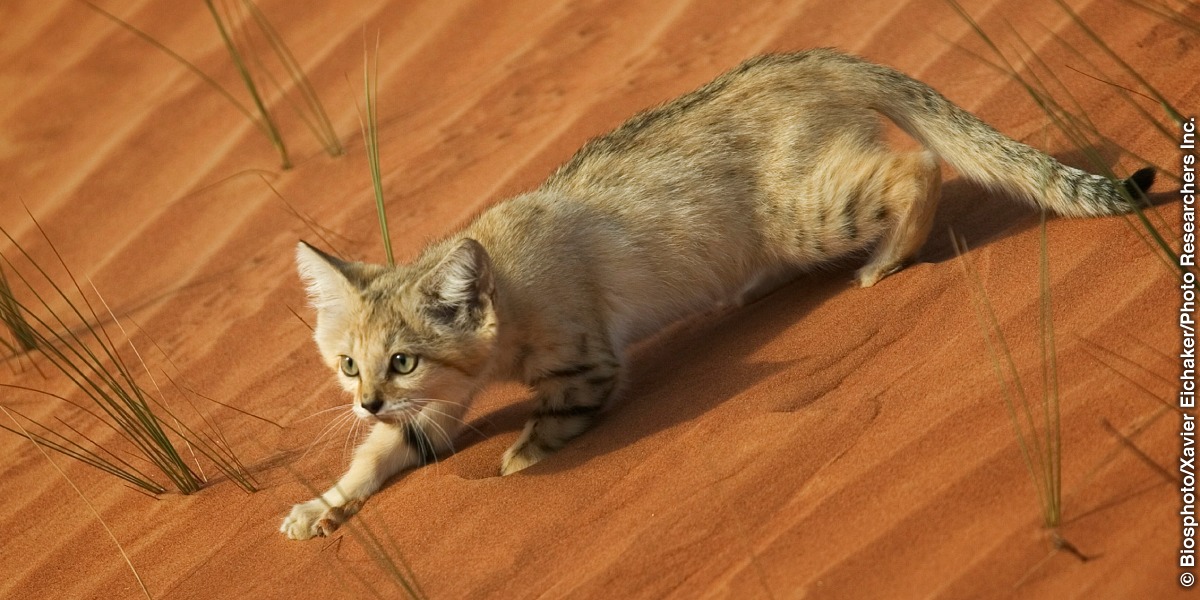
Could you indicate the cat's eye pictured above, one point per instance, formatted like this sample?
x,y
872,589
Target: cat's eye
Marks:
x,y
349,367
404,363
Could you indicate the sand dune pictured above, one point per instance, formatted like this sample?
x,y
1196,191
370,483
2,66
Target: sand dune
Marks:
x,y
825,441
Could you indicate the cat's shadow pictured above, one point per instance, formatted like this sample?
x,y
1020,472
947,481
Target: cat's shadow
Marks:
x,y
694,366
685,371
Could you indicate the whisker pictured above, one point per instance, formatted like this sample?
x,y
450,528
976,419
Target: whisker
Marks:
x,y
430,408
351,435
333,425
414,416
324,431
437,462
441,430
459,419
322,411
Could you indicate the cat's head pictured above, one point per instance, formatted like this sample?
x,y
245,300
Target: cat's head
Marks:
x,y
400,337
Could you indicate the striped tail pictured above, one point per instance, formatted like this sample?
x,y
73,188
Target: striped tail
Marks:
x,y
982,154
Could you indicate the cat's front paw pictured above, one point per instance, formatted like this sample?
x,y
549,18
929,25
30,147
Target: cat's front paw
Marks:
x,y
304,521
520,456
315,518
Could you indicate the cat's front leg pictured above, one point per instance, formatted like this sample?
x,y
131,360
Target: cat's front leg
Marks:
x,y
569,400
388,449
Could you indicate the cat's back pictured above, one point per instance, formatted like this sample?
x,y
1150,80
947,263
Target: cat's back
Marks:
x,y
666,214
631,265
769,104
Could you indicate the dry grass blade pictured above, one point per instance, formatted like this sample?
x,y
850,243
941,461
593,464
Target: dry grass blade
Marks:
x,y
176,57
1083,26
299,318
1084,134
321,232
1166,12
387,557
90,506
384,552
1052,423
268,123
1079,128
121,405
10,313
237,44
189,390
1041,450
213,445
1141,455
320,124
109,462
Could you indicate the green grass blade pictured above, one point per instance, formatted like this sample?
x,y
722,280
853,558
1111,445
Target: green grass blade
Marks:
x,y
370,131
10,313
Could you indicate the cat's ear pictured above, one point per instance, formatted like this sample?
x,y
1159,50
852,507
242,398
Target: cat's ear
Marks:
x,y
459,290
329,279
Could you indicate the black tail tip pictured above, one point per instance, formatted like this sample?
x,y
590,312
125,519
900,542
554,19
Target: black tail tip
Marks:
x,y
1139,183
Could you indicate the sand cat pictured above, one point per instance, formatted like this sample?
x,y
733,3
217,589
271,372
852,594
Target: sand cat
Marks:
x,y
775,166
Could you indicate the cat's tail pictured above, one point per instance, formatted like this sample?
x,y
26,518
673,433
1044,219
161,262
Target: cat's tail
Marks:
x,y
984,155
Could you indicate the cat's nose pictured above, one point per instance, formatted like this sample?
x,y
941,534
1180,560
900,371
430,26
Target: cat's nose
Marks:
x,y
373,404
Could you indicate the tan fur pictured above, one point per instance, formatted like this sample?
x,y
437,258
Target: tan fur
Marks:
x,y
775,166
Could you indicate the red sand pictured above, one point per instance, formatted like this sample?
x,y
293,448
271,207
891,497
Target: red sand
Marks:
x,y
823,442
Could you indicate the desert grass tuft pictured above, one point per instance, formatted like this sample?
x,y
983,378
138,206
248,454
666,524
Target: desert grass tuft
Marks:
x,y
236,39
1069,117
11,315
1042,450
370,132
316,118
76,343
1037,425
239,63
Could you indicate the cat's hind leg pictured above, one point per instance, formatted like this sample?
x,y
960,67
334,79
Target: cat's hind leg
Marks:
x,y
909,188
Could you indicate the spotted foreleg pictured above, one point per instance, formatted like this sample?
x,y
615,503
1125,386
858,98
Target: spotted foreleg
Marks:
x,y
569,400
389,449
